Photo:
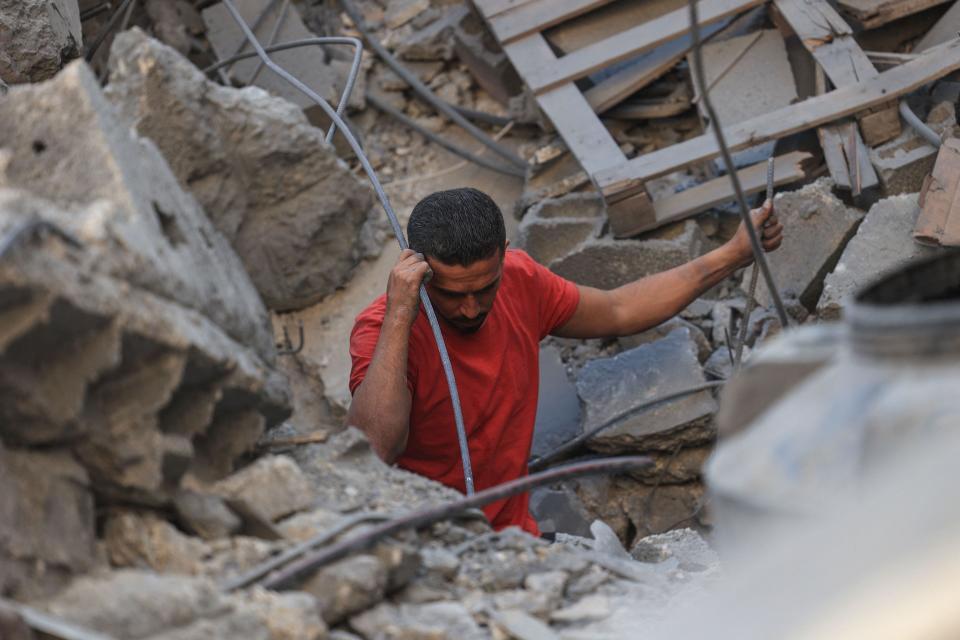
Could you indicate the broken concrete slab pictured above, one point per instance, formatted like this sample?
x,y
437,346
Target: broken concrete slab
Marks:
x,y
607,264
205,515
47,529
610,387
572,205
308,64
549,240
400,12
559,511
665,329
558,407
904,162
291,209
435,41
39,37
882,243
146,541
274,486
435,619
347,587
818,228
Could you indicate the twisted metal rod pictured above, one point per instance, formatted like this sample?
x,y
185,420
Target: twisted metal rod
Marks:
x,y
394,222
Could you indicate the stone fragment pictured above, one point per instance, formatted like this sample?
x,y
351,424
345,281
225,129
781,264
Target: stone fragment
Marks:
x,y
480,52
291,615
549,240
551,583
686,546
608,264
291,209
818,226
904,162
665,329
39,37
677,467
273,486
592,607
612,386
400,12
432,620
435,41
441,561
146,541
46,521
235,624
168,24
347,587
558,407
883,242
206,515
559,511
523,626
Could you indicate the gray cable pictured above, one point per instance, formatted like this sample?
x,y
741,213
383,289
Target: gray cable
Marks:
x,y
919,125
398,231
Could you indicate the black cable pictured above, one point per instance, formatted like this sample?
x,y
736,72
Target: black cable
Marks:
x,y
758,253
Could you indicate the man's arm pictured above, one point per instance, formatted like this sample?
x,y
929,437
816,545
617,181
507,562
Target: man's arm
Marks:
x,y
381,404
645,303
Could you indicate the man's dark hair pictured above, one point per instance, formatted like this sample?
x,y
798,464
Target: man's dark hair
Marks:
x,y
459,226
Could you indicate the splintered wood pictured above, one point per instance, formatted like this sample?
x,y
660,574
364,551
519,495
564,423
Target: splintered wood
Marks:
x,y
939,220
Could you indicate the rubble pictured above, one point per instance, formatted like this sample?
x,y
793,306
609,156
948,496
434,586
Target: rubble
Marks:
x,y
291,209
39,37
273,486
554,228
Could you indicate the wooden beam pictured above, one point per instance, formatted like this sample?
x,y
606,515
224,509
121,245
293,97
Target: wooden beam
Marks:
x,y
628,177
848,158
629,43
533,17
491,8
871,14
939,219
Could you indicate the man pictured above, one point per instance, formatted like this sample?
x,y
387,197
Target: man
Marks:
x,y
495,306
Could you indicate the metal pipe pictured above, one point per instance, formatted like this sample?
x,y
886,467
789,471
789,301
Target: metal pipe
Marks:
x,y
425,93
295,44
541,463
387,108
398,231
758,253
430,515
919,125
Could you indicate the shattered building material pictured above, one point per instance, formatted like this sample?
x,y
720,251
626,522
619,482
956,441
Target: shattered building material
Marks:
x,y
38,38
881,245
870,14
945,30
820,226
292,210
547,234
939,219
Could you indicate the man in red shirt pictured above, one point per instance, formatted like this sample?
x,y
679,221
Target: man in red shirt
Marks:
x,y
495,305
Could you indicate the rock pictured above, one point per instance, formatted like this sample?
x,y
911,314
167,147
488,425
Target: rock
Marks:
x,y
818,227
548,240
904,162
46,521
137,604
291,615
227,627
558,407
308,64
206,515
440,561
292,210
882,243
612,386
480,52
347,587
572,205
719,365
686,546
592,607
435,42
168,24
39,37
148,542
678,467
608,264
606,541
665,329
523,626
432,620
400,12
273,486
559,511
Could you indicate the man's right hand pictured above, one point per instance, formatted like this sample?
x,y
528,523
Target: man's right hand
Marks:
x,y
403,287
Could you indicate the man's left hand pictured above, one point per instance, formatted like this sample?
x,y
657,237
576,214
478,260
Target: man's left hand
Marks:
x,y
769,229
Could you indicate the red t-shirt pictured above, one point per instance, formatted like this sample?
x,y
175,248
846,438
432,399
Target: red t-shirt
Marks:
x,y
497,372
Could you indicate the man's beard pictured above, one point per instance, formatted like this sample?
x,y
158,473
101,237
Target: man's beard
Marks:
x,y
466,326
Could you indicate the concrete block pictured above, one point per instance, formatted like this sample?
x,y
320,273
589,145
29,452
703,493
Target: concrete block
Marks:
x,y
883,243
274,486
291,209
608,264
610,387
665,329
817,227
572,205
904,162
37,37
549,240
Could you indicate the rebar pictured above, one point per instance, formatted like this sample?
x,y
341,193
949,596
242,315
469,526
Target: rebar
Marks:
x,y
398,231
274,34
758,253
421,518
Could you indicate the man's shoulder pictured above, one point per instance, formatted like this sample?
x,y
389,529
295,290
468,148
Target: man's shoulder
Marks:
x,y
518,263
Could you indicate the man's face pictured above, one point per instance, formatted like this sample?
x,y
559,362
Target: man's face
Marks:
x,y
463,296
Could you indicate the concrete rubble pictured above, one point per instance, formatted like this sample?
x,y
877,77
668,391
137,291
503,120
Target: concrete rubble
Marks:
x,y
38,37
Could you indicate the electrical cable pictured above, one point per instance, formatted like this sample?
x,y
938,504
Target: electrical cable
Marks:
x,y
919,125
421,89
394,222
758,254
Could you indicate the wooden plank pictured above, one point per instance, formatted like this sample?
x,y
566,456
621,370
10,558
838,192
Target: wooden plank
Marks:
x,y
623,179
623,84
678,101
848,158
585,136
939,219
629,43
491,8
871,14
788,168
607,21
536,16
945,30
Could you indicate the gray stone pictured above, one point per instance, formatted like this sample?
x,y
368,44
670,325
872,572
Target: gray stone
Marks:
x,y
146,541
612,386
230,626
572,205
558,407
292,210
39,37
883,243
291,615
441,561
432,620
686,546
400,12
523,626
719,365
677,467
548,240
347,587
206,515
608,264
435,42
62,140
904,162
606,541
480,52
46,521
591,607
559,511
817,227
274,486
663,330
